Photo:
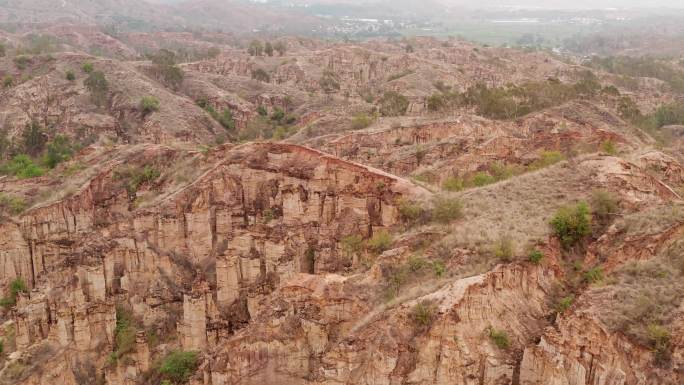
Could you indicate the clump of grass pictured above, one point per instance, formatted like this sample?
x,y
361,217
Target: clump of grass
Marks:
x,y
547,158
134,177
593,275
535,256
423,314
453,184
660,343
504,249
380,242
565,303
609,147
499,338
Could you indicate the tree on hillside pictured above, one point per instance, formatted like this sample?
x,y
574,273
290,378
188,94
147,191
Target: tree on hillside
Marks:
x,y
33,139
255,48
393,104
165,68
98,86
280,47
268,49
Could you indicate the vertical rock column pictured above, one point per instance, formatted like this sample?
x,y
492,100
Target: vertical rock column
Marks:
x,y
193,327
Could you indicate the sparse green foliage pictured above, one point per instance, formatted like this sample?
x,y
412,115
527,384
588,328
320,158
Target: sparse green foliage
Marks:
x,y
22,167
482,179
604,205
504,249
447,210
453,183
33,138
16,286
547,158
149,104
609,147
8,81
535,256
12,204
164,67
412,213
329,82
572,224
124,334
134,177
256,48
660,343
59,150
361,121
381,241
565,303
593,275
178,366
22,61
393,104
98,86
352,244
439,268
70,76
423,314
87,67
499,338
261,75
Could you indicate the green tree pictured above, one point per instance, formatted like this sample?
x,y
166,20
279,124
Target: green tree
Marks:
x,y
280,47
33,138
98,86
59,150
261,75
268,48
255,48
393,104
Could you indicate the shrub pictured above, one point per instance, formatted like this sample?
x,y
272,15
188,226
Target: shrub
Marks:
x,y
87,67
593,275
438,268
256,48
604,204
329,83
361,121
482,179
133,177
504,249
547,158
609,147
33,138
565,303
149,104
178,366
535,256
660,343
352,244
98,86
453,183
261,110
12,204
58,151
8,81
124,334
393,104
499,338
571,224
22,167
381,241
446,210
411,213
261,75
16,286
22,62
423,314
70,76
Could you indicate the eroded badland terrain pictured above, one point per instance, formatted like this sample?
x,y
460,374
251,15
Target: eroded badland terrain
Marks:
x,y
203,208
